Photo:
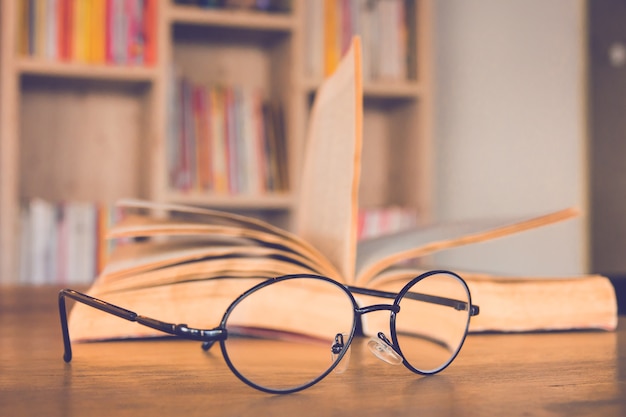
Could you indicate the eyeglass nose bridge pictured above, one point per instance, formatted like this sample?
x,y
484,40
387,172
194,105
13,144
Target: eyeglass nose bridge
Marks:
x,y
394,308
381,347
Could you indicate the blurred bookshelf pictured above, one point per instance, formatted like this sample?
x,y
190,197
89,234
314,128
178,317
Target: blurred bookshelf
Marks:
x,y
89,115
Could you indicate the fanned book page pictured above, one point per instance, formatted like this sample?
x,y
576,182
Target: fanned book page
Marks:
x,y
375,255
328,201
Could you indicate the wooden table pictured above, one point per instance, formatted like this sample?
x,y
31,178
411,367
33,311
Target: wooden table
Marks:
x,y
573,373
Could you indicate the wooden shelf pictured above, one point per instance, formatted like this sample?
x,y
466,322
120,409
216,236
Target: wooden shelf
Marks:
x,y
47,68
391,90
232,18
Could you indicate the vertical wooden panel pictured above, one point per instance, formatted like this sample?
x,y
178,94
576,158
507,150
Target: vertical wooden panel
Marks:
x,y
80,142
9,103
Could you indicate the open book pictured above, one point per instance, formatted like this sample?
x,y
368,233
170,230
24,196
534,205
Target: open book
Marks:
x,y
186,264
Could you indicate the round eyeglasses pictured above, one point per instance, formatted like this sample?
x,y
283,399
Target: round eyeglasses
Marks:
x,y
286,334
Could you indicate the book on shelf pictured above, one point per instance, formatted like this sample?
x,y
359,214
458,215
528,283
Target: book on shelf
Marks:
x,y
119,32
379,221
63,242
186,264
225,139
386,29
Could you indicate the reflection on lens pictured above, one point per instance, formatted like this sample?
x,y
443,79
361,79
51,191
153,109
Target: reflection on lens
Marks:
x,y
432,322
281,336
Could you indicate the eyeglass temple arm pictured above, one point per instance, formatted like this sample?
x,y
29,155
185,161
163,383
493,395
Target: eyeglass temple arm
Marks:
x,y
181,330
433,299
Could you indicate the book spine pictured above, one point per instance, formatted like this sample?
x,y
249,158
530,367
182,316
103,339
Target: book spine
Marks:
x,y
108,32
259,143
51,40
379,221
59,242
63,29
31,27
76,30
119,32
225,140
331,50
186,138
314,38
220,153
150,32
386,29
63,236
230,134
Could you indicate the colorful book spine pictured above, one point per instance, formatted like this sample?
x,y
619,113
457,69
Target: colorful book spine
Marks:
x,y
227,140
64,242
383,26
105,32
380,221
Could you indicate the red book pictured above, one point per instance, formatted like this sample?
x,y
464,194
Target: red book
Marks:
x,y
131,31
203,157
109,57
65,23
150,32
230,137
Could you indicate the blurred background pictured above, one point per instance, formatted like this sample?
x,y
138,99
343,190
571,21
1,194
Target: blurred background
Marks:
x,y
525,99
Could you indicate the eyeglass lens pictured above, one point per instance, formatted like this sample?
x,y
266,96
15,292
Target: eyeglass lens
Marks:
x,y
430,334
281,336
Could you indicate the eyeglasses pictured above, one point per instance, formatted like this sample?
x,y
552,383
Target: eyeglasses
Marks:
x,y
288,333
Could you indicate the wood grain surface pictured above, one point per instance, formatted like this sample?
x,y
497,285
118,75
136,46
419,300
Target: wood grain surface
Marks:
x,y
571,373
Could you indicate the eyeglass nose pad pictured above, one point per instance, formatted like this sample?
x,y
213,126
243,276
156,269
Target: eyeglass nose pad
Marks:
x,y
336,348
381,347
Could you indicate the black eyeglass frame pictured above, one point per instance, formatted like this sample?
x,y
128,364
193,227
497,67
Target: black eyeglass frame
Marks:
x,y
220,334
